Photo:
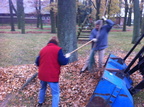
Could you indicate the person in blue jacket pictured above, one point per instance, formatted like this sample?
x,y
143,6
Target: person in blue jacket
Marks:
x,y
49,62
99,36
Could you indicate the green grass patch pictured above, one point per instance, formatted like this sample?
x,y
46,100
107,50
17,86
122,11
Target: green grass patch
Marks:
x,y
17,49
139,99
122,41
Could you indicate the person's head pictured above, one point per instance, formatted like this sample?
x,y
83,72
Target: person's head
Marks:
x,y
98,24
54,40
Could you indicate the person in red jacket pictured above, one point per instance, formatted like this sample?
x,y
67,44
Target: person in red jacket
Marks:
x,y
49,62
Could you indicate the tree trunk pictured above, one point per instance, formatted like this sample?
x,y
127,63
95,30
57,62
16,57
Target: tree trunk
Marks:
x,y
40,16
109,6
129,17
18,14
53,21
78,17
141,13
125,18
22,18
67,26
38,19
98,4
41,22
11,15
142,27
136,30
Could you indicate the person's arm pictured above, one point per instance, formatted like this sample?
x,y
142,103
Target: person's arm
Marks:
x,y
110,24
92,34
62,59
37,61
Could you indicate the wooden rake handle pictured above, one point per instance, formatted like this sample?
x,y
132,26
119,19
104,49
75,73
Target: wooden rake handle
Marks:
x,y
81,46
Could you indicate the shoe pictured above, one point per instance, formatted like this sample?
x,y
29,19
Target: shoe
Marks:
x,y
39,105
132,91
81,72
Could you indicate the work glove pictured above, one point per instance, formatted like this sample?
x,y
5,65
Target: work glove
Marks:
x,y
67,55
104,18
94,40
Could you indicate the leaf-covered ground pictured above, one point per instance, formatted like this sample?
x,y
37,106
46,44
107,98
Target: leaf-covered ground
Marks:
x,y
76,89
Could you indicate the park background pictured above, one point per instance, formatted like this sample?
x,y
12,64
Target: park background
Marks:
x,y
22,35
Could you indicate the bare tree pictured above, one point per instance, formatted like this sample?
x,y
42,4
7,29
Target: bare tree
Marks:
x,y
37,5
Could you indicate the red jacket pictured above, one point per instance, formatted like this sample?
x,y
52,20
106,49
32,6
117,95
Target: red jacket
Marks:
x,y
49,69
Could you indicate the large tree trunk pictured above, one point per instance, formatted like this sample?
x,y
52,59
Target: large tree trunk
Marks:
x,y
67,26
136,30
11,15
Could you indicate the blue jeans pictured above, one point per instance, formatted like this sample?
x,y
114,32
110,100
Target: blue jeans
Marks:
x,y
55,91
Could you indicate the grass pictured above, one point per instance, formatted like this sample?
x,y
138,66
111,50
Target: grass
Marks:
x,y
32,28
139,99
122,40
17,49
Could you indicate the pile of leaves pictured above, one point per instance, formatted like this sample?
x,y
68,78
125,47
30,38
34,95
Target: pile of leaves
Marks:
x,y
12,78
76,88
